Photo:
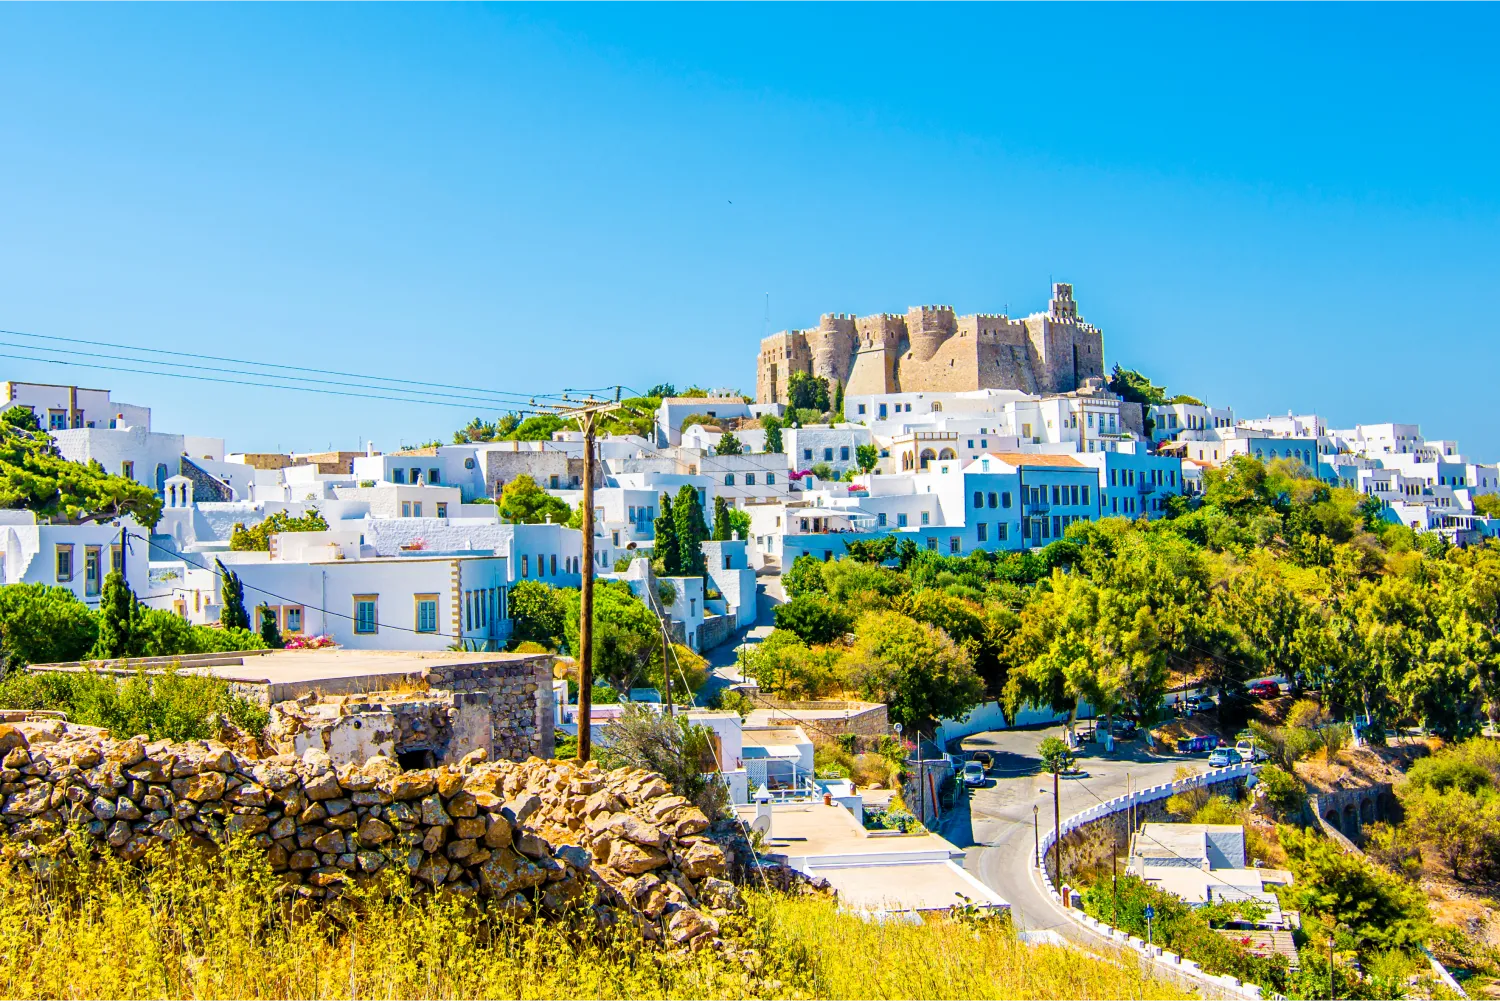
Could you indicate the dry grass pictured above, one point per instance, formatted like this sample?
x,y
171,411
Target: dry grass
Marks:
x,y
215,927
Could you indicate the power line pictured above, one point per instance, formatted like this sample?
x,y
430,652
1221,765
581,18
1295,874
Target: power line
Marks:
x,y
262,364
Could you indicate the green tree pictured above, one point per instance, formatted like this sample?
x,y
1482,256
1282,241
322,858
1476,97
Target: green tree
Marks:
x,y
1333,886
34,477
728,445
539,427
772,426
721,519
917,671
1133,387
20,418
876,550
270,634
477,430
838,400
538,613
44,625
232,614
867,456
1486,505
680,751
807,392
692,530
814,618
258,538
116,614
522,502
739,523
665,547
803,576
1054,754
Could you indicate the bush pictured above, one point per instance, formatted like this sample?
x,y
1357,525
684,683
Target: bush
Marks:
x,y
815,618
1333,886
680,751
168,706
1284,791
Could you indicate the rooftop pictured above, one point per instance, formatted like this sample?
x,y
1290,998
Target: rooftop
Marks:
x,y
1037,459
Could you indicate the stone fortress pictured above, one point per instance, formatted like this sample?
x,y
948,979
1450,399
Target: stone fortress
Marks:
x,y
930,349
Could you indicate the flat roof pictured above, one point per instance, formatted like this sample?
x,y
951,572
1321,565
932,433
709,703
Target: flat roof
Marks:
x,y
801,830
1037,459
907,886
779,736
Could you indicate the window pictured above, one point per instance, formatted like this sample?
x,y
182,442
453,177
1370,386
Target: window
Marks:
x,y
926,518
984,465
994,499
807,454
1112,477
1056,493
729,479
293,616
127,470
416,476
1057,526
954,544
827,455
971,443
57,420
900,520
1073,494
882,411
843,453
504,602
469,463
64,563
525,566
554,564
398,476
1005,498
861,408
983,531
749,479
406,509
1001,531
442,509
365,621
434,476
553,481
880,519
770,478
416,510
1085,495
932,543
91,575
978,498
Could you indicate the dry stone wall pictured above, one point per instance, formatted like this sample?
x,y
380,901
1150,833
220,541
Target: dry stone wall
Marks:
x,y
549,834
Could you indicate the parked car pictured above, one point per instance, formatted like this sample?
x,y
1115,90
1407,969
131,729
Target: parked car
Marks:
x,y
1123,729
984,760
1248,751
1265,689
973,773
1224,757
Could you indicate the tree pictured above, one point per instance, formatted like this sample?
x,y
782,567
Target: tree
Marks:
x,y
21,418
258,538
1054,754
692,530
477,430
678,750
739,523
867,456
772,427
721,519
270,634
539,427
662,390
728,445
522,502
627,642
804,575
814,618
823,471
116,612
1487,505
1133,387
876,550
665,547
917,671
232,613
34,477
807,392
1336,887
838,399
538,613
43,625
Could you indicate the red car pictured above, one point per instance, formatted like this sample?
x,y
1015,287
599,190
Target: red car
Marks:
x,y
1265,689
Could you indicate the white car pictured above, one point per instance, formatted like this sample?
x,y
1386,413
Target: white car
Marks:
x,y
1248,750
1224,757
973,773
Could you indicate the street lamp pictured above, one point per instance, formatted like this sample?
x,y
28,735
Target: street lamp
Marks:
x,y
1056,826
1036,836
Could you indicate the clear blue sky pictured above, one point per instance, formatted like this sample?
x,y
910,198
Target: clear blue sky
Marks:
x,y
1270,206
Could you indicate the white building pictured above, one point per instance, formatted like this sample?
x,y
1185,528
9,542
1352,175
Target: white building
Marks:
x,y
58,408
77,557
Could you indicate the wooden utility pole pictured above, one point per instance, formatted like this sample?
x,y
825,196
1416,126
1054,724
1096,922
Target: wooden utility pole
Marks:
x,y
585,412
1056,829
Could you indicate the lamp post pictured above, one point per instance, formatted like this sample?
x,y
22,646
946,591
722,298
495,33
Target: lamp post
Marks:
x,y
1036,836
1056,827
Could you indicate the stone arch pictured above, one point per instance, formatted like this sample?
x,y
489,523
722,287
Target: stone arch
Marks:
x,y
907,462
928,455
947,453
1332,816
1351,819
1367,810
937,406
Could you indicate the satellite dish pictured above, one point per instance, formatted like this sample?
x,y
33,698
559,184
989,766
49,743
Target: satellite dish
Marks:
x,y
761,825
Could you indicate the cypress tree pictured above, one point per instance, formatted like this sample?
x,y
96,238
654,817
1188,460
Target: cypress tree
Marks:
x,y
838,400
232,613
116,616
773,434
721,520
665,547
691,531
268,631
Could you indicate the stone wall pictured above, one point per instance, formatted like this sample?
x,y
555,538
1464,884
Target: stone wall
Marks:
x,y
520,699
715,631
547,833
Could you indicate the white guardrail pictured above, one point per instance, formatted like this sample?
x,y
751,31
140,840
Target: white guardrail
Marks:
x,y
1233,986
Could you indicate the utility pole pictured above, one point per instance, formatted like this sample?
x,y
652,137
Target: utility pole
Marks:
x,y
1056,828
586,413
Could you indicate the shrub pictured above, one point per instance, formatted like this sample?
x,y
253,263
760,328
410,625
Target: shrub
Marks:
x,y
1284,791
680,751
815,618
169,706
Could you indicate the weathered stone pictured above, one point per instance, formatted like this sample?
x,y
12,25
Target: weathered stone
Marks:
x,y
337,806
498,833
533,845
249,794
126,809
449,781
344,821
17,757
314,813
102,808
521,809
633,828
247,823
632,859
688,924
199,788
119,834
333,843
410,785
375,832
461,848
469,827
506,871
700,859
574,855
324,785
303,859
462,804
434,839
433,812
283,828
28,803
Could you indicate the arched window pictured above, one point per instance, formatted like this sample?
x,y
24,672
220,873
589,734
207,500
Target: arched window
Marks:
x,y
947,453
927,456
161,477
937,406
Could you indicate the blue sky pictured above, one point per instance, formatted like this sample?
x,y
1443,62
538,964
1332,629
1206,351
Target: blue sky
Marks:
x,y
1276,207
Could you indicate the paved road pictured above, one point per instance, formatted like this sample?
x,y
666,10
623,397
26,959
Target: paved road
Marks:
x,y
723,660
999,827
